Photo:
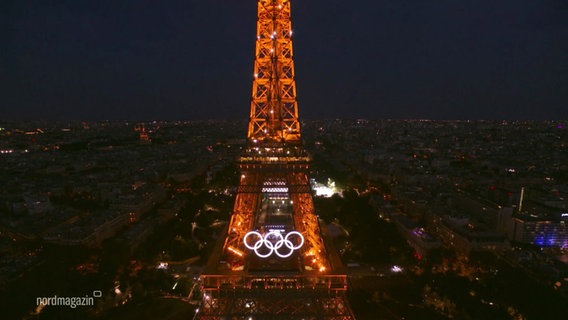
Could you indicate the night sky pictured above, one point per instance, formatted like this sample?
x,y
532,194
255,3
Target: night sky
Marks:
x,y
376,59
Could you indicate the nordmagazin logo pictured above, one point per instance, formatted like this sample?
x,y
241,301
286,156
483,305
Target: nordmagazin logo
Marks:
x,y
71,302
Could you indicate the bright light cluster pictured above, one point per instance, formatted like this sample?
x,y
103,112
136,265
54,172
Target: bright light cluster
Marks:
x,y
325,190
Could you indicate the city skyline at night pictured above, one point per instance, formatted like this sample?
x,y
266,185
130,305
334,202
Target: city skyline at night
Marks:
x,y
393,159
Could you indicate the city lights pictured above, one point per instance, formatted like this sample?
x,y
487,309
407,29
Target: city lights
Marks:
x,y
273,215
396,269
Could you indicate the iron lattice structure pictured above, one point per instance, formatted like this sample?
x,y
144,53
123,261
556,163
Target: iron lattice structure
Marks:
x,y
311,284
274,110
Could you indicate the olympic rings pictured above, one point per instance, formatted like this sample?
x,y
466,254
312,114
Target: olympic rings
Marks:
x,y
272,242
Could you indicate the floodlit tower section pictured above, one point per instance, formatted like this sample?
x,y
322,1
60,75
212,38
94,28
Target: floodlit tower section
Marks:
x,y
274,164
274,110
274,261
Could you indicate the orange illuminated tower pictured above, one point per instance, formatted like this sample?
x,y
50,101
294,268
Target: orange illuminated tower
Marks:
x,y
275,260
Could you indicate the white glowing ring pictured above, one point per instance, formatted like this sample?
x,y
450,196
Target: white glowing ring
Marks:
x,y
273,246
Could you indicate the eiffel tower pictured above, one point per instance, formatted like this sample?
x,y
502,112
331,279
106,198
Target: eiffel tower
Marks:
x,y
275,260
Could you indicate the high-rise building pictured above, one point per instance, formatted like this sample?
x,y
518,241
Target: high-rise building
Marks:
x,y
275,260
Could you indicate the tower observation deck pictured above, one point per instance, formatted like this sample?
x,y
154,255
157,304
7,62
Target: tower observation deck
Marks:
x,y
274,260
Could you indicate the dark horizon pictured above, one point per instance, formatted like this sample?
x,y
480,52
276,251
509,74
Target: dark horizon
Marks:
x,y
466,60
561,122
